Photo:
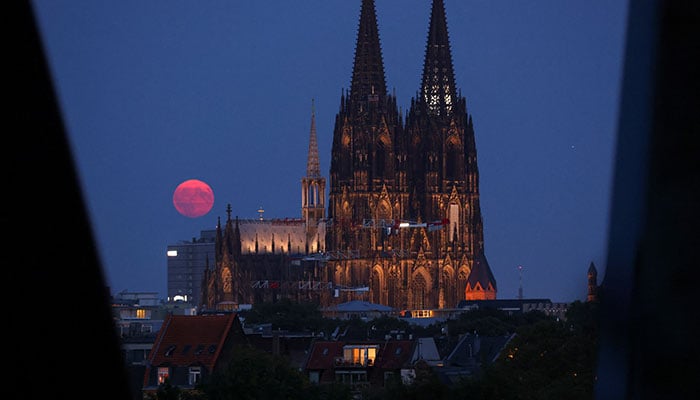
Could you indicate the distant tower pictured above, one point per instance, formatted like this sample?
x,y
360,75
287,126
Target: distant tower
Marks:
x,y
313,189
592,283
313,185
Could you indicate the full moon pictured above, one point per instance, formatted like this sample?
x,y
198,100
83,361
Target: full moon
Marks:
x,y
193,198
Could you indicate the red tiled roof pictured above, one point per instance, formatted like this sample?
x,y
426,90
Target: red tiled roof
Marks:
x,y
323,355
394,354
191,339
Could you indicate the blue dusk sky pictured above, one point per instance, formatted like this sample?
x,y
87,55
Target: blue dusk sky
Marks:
x,y
154,93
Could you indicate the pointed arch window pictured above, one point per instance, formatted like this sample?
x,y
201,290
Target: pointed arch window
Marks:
x,y
448,289
462,280
384,211
376,289
419,291
393,289
453,216
453,168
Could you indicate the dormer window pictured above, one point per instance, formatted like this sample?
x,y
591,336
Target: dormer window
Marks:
x,y
363,355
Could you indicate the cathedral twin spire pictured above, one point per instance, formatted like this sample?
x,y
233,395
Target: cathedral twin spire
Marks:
x,y
425,162
368,81
438,85
438,89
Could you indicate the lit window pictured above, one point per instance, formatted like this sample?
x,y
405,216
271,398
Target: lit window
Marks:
x,y
361,355
163,374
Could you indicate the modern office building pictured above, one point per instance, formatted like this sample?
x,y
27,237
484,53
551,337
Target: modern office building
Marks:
x,y
187,261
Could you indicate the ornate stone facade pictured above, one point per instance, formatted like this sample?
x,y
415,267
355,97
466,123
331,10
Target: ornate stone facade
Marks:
x,y
404,225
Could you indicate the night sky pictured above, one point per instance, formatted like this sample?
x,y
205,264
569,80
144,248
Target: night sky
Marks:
x,y
154,93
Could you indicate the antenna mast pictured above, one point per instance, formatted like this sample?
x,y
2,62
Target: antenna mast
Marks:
x,y
520,289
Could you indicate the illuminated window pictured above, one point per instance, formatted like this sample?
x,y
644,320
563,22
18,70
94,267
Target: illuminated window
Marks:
x,y
422,313
163,374
360,355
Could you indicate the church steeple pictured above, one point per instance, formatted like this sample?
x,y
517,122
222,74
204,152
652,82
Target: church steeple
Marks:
x,y
368,152
313,169
438,89
313,187
368,81
592,283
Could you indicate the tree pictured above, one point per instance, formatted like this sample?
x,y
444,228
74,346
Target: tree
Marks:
x,y
256,375
288,315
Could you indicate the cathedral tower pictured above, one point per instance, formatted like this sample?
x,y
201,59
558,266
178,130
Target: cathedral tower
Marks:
x,y
443,151
367,178
403,226
313,191
386,175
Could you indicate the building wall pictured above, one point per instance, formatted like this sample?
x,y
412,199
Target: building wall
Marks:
x,y
186,263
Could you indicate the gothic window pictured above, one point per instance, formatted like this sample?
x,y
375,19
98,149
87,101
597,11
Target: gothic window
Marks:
x,y
380,160
462,279
448,288
384,211
312,195
419,291
376,291
339,275
452,167
393,289
226,280
453,216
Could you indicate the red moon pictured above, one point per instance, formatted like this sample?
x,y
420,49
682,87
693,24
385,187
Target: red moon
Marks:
x,y
193,198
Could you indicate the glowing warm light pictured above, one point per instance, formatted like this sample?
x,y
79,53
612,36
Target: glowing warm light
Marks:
x,y
172,253
193,198
404,225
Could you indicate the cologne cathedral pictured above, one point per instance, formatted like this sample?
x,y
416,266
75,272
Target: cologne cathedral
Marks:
x,y
403,224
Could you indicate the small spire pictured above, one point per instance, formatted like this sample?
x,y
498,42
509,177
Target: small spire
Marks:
x,y
313,169
228,211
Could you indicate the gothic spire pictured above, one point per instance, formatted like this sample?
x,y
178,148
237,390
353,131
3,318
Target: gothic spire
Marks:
x,y
313,170
368,82
438,89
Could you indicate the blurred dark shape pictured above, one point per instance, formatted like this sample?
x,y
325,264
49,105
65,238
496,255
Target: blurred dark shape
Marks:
x,y
61,338
62,342
648,344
